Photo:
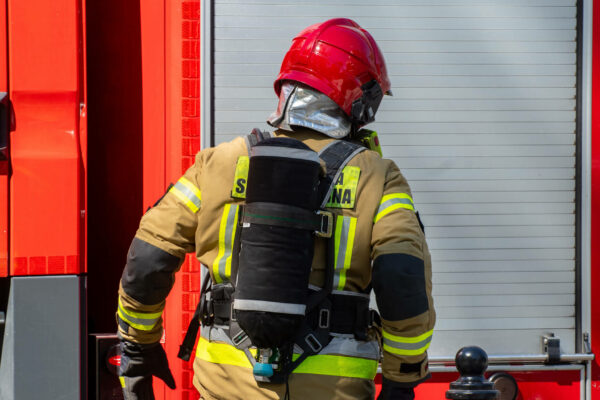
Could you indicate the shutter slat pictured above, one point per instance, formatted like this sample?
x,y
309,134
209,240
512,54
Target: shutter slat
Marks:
x,y
482,124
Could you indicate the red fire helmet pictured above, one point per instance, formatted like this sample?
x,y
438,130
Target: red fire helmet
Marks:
x,y
341,60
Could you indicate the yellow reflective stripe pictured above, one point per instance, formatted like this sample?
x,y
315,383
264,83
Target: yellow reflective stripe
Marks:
x,y
391,202
345,230
241,177
407,346
188,193
407,339
122,380
351,367
404,352
343,193
222,353
138,320
191,186
140,315
132,323
184,199
396,196
227,229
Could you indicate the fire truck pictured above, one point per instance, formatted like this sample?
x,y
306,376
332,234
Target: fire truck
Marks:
x,y
497,102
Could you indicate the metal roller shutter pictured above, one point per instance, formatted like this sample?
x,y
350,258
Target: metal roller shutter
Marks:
x,y
483,126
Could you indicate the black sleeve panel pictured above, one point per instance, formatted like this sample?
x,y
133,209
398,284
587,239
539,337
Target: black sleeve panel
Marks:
x,y
399,284
148,275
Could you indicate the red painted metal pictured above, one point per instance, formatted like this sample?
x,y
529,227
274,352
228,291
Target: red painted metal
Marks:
x,y
83,138
4,166
182,111
595,186
152,31
170,80
45,81
540,385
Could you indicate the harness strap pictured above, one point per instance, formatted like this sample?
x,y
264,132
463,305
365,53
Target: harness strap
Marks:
x,y
282,215
347,314
255,137
316,335
336,156
201,314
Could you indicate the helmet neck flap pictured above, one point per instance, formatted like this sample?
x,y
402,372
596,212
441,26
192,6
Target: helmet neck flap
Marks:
x,y
302,106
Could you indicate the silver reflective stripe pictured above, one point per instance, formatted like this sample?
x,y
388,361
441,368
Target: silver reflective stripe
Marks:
x,y
215,333
345,346
287,152
269,306
407,346
226,238
344,240
147,322
393,201
349,293
188,193
352,348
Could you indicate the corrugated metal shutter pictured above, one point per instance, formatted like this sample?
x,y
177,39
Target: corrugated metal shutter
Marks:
x,y
483,126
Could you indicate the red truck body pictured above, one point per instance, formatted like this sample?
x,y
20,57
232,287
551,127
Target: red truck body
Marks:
x,y
102,117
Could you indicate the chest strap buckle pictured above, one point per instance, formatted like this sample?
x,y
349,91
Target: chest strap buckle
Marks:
x,y
326,224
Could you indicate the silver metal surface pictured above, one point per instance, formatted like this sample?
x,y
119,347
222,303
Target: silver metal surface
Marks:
x,y
206,100
500,367
302,106
586,157
586,184
508,367
520,358
41,354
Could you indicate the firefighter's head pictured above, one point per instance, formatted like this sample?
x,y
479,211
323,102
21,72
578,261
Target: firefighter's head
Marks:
x,y
338,59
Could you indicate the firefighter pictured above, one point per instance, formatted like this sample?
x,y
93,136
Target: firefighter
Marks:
x,y
331,83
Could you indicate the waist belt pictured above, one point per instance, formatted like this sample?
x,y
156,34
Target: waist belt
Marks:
x,y
350,313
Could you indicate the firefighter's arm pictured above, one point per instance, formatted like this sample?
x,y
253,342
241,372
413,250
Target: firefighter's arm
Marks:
x,y
165,235
401,279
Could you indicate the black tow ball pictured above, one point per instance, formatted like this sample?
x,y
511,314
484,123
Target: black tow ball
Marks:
x,y
471,363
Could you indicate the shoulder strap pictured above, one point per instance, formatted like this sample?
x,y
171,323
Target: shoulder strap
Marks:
x,y
255,137
336,155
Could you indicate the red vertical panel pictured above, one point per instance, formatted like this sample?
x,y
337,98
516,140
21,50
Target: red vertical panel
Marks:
x,y
152,15
595,234
3,153
182,143
45,187
152,31
171,138
83,138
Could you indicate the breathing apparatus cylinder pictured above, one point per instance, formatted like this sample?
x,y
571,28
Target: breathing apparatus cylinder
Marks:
x,y
277,241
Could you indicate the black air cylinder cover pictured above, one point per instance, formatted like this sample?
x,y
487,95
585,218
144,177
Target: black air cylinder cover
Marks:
x,y
275,259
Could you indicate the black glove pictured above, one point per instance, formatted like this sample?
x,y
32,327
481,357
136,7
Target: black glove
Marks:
x,y
139,362
389,392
